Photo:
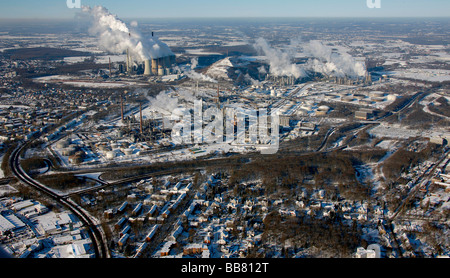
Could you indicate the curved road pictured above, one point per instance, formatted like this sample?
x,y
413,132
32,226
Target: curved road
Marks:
x,y
95,231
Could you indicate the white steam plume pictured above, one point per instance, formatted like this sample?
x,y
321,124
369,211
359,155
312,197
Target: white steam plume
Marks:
x,y
116,37
196,75
331,63
322,59
280,62
163,103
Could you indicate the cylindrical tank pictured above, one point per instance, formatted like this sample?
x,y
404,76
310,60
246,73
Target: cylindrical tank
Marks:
x,y
376,94
110,155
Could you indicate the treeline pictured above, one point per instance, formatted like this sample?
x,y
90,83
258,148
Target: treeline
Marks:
x,y
46,53
5,162
315,171
403,160
64,181
330,237
33,163
441,107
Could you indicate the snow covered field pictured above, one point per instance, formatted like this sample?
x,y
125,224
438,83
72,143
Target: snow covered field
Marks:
x,y
433,75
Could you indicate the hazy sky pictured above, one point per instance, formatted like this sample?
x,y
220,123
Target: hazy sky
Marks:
x,y
230,8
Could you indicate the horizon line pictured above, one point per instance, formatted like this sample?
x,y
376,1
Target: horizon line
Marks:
x,y
242,17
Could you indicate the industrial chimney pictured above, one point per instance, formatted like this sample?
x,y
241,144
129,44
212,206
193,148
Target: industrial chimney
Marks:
x,y
121,106
140,112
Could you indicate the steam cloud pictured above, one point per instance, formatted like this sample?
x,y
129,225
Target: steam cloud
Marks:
x,y
196,75
163,103
322,60
331,63
280,62
116,37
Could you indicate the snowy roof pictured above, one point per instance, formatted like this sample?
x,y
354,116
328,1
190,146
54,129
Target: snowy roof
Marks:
x,y
5,225
23,204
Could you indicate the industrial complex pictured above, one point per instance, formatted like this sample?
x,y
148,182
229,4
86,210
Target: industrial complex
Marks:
x,y
224,143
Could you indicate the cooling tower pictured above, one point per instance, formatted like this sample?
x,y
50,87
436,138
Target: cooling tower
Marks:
x,y
155,66
147,69
173,60
167,62
161,66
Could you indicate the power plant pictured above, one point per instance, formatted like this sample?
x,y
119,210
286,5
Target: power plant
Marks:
x,y
159,66
151,67
145,55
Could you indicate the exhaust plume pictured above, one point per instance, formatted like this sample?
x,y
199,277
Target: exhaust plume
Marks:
x,y
322,59
331,63
116,37
280,62
196,75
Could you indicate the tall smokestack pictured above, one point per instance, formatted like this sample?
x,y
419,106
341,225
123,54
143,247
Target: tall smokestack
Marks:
x,y
128,61
161,66
109,66
140,112
218,96
147,69
121,106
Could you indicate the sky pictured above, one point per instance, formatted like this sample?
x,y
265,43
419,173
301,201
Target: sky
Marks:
x,y
50,9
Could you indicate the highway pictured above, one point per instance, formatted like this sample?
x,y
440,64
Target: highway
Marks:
x,y
94,229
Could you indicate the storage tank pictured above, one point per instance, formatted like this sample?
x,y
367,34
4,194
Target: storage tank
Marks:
x,y
376,94
359,96
110,155
391,97
323,108
348,98
378,99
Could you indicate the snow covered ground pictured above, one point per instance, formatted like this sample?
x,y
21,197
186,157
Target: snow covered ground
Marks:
x,y
433,75
394,131
84,82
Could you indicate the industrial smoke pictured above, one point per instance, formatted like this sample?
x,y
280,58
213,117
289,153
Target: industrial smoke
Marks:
x,y
322,59
331,63
196,75
280,62
116,37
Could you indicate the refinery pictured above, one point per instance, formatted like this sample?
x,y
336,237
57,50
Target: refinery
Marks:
x,y
284,139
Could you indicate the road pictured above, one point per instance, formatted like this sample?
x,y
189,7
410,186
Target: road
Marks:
x,y
94,229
